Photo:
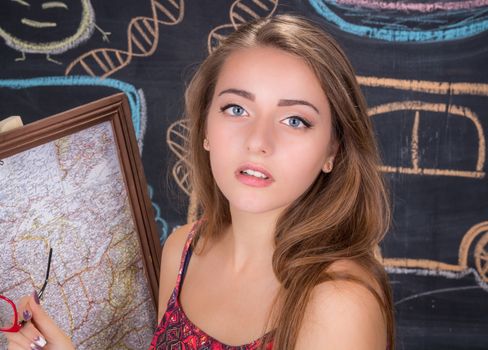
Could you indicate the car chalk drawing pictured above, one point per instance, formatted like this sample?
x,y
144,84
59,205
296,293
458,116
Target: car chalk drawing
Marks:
x,y
472,245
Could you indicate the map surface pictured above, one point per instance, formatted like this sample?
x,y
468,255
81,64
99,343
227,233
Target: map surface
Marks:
x,y
69,194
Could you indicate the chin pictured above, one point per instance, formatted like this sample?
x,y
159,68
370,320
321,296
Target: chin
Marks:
x,y
256,206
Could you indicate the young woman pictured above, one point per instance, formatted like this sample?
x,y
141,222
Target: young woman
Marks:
x,y
292,206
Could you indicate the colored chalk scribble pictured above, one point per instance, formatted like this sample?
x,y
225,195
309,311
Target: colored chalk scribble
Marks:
x,y
142,41
406,21
52,27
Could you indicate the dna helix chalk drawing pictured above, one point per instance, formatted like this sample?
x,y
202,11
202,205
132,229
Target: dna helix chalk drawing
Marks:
x,y
241,11
142,41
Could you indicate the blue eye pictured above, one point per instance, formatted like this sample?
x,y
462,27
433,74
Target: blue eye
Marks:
x,y
297,122
234,110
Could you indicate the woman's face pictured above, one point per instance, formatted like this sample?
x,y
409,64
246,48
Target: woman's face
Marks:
x,y
269,129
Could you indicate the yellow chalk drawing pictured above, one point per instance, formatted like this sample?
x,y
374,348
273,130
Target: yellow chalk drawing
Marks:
x,y
241,11
431,87
453,110
143,39
22,2
475,240
41,38
37,24
473,249
176,138
54,4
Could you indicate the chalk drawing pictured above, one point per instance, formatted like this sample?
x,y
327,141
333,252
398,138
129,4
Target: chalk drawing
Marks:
x,y
432,292
142,41
428,6
404,21
143,119
446,89
472,251
44,36
176,138
131,92
452,110
240,12
474,243
431,87
163,234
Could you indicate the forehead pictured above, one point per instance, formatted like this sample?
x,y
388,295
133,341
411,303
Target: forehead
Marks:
x,y
267,71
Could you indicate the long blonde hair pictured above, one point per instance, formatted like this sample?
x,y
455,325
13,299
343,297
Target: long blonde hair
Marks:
x,y
342,215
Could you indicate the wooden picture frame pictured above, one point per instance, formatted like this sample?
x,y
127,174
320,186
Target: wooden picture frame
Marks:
x,y
106,245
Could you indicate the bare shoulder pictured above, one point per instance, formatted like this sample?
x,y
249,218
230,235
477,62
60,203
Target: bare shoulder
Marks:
x,y
170,263
343,314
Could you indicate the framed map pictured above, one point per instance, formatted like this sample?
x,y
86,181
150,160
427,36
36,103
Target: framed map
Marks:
x,y
74,182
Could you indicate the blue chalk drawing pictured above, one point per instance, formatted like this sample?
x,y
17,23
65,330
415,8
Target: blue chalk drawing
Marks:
x,y
159,220
473,22
80,80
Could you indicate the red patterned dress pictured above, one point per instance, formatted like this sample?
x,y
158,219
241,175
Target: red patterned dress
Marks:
x,y
177,332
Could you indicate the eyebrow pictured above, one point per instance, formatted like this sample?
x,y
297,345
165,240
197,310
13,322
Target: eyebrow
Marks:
x,y
242,93
281,103
297,102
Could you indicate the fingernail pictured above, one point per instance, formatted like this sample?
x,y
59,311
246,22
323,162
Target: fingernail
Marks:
x,y
27,315
35,347
40,341
36,297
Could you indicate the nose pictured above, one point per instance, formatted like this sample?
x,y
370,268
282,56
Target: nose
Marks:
x,y
260,137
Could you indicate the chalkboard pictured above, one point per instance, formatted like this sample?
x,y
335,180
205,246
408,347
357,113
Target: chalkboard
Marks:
x,y
421,64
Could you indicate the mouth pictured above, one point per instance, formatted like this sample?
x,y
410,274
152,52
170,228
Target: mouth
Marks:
x,y
255,172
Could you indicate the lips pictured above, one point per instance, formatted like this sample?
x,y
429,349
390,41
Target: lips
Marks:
x,y
252,175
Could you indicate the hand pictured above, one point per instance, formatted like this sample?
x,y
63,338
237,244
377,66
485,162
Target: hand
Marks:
x,y
39,331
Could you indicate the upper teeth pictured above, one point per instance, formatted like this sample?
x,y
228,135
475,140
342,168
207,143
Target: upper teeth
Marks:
x,y
255,173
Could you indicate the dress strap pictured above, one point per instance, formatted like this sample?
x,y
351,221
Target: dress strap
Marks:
x,y
185,260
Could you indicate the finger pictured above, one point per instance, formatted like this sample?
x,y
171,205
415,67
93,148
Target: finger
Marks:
x,y
14,346
27,338
42,321
17,340
22,304
36,340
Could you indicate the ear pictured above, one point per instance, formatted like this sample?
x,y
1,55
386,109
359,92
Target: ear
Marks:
x,y
329,163
206,145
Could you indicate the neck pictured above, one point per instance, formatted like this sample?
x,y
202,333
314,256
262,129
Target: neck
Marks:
x,y
250,240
